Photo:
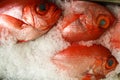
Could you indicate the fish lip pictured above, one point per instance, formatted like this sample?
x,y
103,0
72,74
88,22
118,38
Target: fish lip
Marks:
x,y
97,76
100,76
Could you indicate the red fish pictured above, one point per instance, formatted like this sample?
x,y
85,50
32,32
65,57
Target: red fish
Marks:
x,y
85,21
90,62
115,37
27,20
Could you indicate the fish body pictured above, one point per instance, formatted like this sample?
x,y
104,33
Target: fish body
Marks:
x,y
90,62
27,20
85,21
115,36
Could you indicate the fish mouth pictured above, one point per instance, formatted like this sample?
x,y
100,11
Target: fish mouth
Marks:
x,y
96,75
100,76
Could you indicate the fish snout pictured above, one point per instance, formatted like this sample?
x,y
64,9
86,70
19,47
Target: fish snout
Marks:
x,y
100,76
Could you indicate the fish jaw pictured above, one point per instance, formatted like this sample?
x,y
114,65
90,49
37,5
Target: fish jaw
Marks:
x,y
88,77
92,77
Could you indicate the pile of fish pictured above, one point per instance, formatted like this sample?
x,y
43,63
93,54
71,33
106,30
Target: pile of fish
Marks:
x,y
79,21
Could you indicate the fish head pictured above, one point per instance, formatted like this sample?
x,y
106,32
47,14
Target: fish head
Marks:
x,y
41,15
85,21
103,66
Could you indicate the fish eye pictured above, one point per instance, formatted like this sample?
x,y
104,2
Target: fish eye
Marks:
x,y
111,63
42,9
103,21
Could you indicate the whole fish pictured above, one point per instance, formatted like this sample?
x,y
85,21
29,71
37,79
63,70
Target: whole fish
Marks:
x,y
27,20
84,20
92,63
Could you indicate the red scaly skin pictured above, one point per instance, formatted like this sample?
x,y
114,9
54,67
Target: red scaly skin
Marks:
x,y
85,21
115,35
90,62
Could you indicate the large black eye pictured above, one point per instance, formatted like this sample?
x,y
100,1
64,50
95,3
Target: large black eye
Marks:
x,y
111,63
42,7
103,21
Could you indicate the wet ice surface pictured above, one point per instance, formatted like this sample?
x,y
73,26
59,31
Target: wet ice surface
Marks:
x,y
31,61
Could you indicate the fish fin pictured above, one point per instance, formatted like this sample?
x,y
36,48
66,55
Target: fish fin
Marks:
x,y
10,22
27,15
68,19
90,77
